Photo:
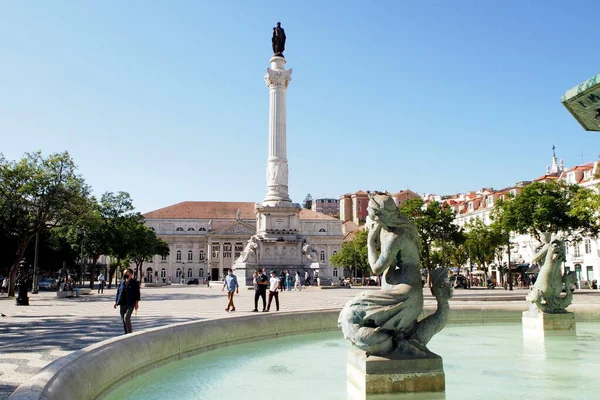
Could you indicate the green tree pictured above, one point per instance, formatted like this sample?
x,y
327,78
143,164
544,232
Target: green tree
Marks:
x,y
37,194
308,200
434,222
145,244
551,207
353,254
482,242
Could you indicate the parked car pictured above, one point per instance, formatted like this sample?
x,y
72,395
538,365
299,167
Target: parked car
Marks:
x,y
461,282
193,282
47,284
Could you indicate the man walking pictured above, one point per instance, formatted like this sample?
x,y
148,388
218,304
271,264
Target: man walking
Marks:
x,y
128,298
232,286
101,281
262,281
274,285
208,281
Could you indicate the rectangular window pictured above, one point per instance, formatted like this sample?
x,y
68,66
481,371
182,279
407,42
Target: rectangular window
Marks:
x,y
201,256
163,258
216,248
190,256
227,250
239,247
588,246
322,256
576,250
335,272
189,273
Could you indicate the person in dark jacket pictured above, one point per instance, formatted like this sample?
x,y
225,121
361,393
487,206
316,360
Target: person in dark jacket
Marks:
x,y
128,298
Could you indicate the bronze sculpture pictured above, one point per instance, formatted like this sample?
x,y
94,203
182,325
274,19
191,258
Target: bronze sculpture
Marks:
x,y
278,40
387,321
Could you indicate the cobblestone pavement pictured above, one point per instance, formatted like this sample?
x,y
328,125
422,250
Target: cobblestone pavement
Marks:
x,y
33,336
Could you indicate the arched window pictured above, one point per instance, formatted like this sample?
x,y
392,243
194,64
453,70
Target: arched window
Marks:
x,y
322,255
178,273
202,230
178,257
335,272
334,252
190,229
163,273
202,256
180,229
190,256
190,273
322,230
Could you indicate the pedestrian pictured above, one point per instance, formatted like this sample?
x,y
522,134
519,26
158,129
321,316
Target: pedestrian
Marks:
x,y
101,281
232,286
128,298
282,280
4,287
260,289
273,286
208,281
306,278
288,280
297,285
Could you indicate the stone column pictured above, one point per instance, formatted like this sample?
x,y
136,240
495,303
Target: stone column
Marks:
x,y
277,80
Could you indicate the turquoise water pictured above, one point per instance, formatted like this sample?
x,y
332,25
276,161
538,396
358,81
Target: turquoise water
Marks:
x,y
481,362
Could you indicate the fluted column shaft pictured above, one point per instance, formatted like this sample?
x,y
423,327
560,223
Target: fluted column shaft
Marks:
x,y
277,80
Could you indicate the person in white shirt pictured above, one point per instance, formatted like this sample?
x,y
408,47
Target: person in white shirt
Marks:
x,y
101,281
273,286
297,281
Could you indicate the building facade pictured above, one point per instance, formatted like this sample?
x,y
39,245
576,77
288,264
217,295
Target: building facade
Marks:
x,y
582,257
207,237
326,206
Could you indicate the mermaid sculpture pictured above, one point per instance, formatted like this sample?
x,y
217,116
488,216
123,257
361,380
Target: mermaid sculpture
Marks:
x,y
386,322
545,294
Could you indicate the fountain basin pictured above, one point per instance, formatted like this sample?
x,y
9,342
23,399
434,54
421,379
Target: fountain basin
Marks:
x,y
101,367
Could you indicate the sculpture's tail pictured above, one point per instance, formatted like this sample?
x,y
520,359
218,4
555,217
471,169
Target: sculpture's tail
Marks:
x,y
373,340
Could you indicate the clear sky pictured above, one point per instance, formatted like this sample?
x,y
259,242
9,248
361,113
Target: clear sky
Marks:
x,y
166,99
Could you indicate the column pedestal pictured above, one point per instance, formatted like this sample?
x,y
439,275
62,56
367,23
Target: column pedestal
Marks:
x,y
539,324
377,377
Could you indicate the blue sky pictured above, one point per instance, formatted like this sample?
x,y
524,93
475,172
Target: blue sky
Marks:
x,y
166,100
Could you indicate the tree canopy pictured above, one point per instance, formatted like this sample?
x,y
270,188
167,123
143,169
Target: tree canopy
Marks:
x,y
353,254
38,193
551,207
307,203
434,223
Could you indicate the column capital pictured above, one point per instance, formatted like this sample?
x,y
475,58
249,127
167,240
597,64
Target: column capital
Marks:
x,y
278,78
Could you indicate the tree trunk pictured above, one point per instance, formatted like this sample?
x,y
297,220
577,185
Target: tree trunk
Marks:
x,y
12,281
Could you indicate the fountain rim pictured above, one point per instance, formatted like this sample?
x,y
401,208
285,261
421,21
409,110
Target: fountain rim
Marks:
x,y
104,365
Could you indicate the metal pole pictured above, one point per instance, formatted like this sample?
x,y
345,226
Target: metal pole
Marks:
x,y
36,282
81,264
510,285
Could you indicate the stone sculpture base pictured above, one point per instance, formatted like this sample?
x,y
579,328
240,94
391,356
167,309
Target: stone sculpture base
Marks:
x,y
539,324
376,377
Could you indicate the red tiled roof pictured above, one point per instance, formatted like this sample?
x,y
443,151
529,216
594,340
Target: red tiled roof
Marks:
x,y
360,192
218,210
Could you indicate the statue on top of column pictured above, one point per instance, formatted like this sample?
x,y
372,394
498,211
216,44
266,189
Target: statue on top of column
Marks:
x,y
278,40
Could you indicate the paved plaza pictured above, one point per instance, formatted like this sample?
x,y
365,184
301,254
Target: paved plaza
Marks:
x,y
33,336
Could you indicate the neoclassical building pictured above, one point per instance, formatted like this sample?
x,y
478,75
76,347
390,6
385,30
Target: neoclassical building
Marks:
x,y
207,237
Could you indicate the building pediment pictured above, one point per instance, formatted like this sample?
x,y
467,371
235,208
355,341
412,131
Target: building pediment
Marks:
x,y
237,228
